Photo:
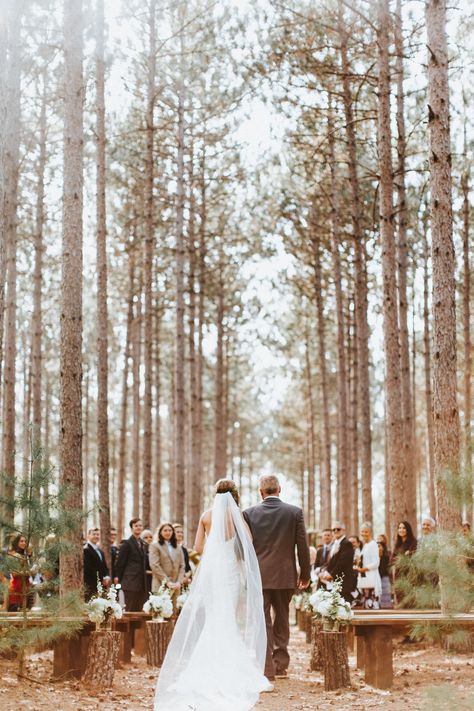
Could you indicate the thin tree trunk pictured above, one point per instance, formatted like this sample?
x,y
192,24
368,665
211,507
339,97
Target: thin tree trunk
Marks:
x,y
148,269
71,562
427,374
157,474
352,386
361,301
311,453
466,319
37,317
3,183
11,167
85,451
219,410
136,367
402,258
102,314
394,415
445,406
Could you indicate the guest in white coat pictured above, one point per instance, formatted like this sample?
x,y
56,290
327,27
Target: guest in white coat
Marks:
x,y
368,580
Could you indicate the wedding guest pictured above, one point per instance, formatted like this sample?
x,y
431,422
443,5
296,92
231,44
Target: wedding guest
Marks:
x,y
368,580
19,585
357,546
339,565
147,537
130,567
322,557
179,530
405,545
95,567
384,571
428,526
166,559
113,550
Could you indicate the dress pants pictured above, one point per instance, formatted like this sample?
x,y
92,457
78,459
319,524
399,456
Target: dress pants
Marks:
x,y
134,600
278,629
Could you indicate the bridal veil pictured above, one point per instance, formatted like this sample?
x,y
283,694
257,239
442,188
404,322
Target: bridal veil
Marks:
x,y
216,656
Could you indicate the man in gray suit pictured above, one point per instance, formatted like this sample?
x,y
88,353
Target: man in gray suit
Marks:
x,y
276,529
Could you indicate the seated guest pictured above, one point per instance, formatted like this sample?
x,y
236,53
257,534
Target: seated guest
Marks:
x,y
147,537
188,572
340,562
368,580
95,567
384,571
166,559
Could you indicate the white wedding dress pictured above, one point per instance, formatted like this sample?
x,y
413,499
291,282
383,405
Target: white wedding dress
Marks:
x,y
216,655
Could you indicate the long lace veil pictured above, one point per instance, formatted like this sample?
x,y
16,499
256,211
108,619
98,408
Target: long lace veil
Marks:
x,y
225,604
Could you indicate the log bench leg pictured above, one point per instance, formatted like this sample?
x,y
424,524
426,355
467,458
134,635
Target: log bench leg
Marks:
x,y
379,657
360,651
139,641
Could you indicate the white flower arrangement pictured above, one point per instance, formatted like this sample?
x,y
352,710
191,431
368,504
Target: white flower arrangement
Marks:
x,y
159,605
103,607
301,601
330,605
182,597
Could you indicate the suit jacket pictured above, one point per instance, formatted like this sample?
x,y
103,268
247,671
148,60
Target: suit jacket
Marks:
x,y
340,566
130,565
93,565
163,566
321,560
276,529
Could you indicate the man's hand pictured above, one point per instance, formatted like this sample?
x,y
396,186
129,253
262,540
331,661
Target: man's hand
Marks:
x,y
326,577
303,584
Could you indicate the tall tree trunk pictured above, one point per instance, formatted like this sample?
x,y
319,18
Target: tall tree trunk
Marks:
x,y
3,165
219,393
85,451
326,506
136,368
402,258
445,406
11,167
148,268
71,291
102,315
180,399
122,459
429,459
466,323
353,392
37,317
361,302
157,474
325,517
394,415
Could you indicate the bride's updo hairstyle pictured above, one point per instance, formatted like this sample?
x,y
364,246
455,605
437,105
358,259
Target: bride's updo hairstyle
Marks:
x,y
227,485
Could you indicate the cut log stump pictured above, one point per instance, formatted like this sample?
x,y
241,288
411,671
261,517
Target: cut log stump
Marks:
x,y
308,626
335,660
316,659
102,659
158,635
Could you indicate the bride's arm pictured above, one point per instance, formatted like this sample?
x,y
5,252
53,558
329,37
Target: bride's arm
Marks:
x,y
200,539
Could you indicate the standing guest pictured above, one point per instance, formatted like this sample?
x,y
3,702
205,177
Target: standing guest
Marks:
x,y
147,537
322,557
166,560
428,526
405,545
95,567
130,567
179,530
341,560
368,580
113,550
357,546
384,571
278,529
19,585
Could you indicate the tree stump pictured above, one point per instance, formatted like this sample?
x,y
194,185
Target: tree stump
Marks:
x,y
301,620
316,659
335,660
308,626
158,635
102,658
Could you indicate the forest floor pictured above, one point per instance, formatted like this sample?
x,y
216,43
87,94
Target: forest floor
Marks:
x,y
426,679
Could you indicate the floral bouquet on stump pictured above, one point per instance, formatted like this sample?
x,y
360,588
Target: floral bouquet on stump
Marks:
x,y
330,607
159,605
103,607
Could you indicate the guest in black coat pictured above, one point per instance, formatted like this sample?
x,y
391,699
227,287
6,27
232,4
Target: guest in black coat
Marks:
x,y
340,562
94,564
322,558
130,568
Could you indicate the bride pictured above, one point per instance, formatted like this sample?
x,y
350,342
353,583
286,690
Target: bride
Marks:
x,y
216,655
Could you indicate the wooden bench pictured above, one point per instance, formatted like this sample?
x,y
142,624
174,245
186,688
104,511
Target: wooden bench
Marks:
x,y
374,631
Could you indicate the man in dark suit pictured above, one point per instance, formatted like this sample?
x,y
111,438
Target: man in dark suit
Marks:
x,y
94,564
322,557
276,529
130,568
341,560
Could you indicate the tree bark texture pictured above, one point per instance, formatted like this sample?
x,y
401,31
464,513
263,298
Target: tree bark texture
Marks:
x,y
427,378
335,660
394,413
136,368
157,473
311,440
466,324
445,406
102,287
316,658
71,290
220,434
158,635
3,140
102,658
